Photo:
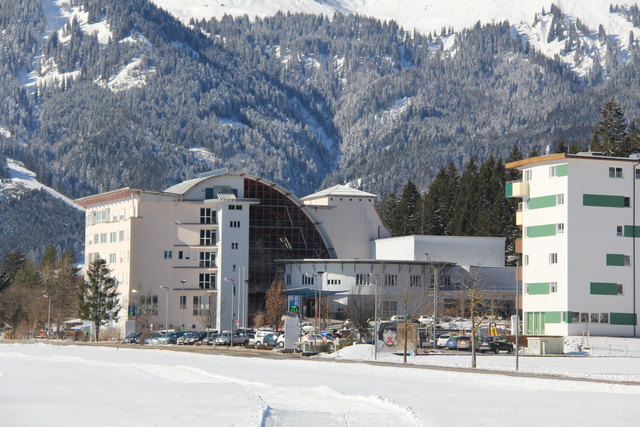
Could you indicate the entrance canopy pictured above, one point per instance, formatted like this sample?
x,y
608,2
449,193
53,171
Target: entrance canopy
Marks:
x,y
306,292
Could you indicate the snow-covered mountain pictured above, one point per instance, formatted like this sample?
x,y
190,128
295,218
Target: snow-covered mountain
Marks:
x,y
528,18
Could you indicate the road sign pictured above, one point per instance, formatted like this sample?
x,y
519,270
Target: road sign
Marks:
x,y
294,303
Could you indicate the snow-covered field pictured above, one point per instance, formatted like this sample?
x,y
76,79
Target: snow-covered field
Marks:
x,y
54,385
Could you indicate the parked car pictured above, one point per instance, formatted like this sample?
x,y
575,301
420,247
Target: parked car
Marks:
x,y
191,338
452,343
258,338
239,338
464,343
495,344
132,338
397,318
425,320
211,340
442,339
307,327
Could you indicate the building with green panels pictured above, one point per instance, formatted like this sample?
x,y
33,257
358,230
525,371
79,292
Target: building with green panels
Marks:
x,y
580,228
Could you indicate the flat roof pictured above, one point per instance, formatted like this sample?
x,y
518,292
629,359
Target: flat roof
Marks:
x,y
360,261
560,156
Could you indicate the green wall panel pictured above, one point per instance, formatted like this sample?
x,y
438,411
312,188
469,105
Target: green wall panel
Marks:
x,y
568,316
562,170
622,318
603,200
628,231
537,288
541,230
616,260
552,317
600,288
508,189
542,202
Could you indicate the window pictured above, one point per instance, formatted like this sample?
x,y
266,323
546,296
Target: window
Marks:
x,y
201,304
389,308
208,193
559,199
288,280
363,280
575,317
637,177
615,172
553,171
103,238
619,230
604,317
627,260
113,258
526,260
553,258
232,207
207,259
415,281
594,318
238,207
149,304
207,237
183,302
620,289
308,279
559,228
391,280
207,281
553,287
121,235
584,317
234,245
627,202
96,238
234,224
113,237
528,175
168,254
334,281
180,254
207,216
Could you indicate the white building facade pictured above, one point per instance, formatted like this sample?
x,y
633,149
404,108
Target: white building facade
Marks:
x,y
579,235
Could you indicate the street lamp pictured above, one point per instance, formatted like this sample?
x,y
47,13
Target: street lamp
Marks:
x,y
517,318
135,311
166,316
233,290
48,297
182,282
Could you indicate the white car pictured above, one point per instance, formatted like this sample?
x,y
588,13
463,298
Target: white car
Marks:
x,y
258,338
425,320
397,318
307,327
442,339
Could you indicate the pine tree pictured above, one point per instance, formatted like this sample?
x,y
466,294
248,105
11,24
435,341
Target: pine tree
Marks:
x,y
98,297
407,211
438,202
610,134
388,212
10,266
632,143
467,203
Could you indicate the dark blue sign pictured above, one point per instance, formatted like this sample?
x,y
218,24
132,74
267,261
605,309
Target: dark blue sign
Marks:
x,y
294,303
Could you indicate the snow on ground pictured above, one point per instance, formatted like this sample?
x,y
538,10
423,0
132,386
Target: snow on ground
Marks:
x,y
70,386
578,366
132,75
26,178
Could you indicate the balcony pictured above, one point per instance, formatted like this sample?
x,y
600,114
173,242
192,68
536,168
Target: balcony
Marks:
x,y
516,189
519,214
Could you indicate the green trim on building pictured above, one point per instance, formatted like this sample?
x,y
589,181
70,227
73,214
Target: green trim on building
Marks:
x,y
541,230
542,202
552,317
623,318
628,231
568,316
562,170
508,189
537,288
616,260
601,288
603,200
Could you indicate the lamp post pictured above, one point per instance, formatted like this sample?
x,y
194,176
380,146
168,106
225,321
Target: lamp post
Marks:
x,y
182,282
233,290
319,305
517,318
48,297
166,316
135,312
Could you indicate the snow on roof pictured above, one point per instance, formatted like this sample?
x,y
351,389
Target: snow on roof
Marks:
x,y
338,190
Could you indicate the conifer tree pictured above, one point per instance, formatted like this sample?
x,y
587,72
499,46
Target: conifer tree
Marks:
x,y
98,297
389,213
467,203
407,212
610,134
438,202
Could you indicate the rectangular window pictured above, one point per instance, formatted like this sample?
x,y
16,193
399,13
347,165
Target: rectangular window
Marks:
x,y
615,172
201,304
553,287
207,216
96,238
308,279
207,237
575,317
619,289
168,254
637,177
180,254
528,175
288,280
113,258
559,228
391,280
389,308
207,281
238,207
234,224
619,230
113,237
207,259
234,245
584,317
594,318
121,235
604,317
232,207
415,281
149,304
183,302
559,199
208,193
363,280
103,238
553,258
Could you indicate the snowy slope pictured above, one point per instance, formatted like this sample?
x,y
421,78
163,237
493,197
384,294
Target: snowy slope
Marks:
x,y
23,177
429,16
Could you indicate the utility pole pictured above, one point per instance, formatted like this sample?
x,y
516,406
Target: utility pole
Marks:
x,y
182,282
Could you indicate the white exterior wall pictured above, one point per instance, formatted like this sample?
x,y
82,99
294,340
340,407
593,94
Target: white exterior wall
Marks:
x,y
352,223
590,233
480,251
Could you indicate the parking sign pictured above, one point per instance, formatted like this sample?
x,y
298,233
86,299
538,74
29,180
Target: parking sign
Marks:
x,y
294,303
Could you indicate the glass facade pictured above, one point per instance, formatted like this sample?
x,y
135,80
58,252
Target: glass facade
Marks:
x,y
278,229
